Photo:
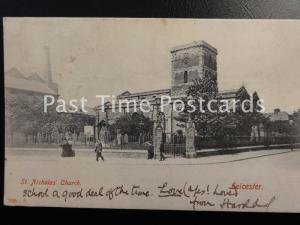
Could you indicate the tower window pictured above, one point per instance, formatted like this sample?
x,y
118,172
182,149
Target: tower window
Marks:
x,y
185,77
210,61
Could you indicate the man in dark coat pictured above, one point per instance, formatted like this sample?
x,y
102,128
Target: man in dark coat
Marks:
x,y
162,150
98,151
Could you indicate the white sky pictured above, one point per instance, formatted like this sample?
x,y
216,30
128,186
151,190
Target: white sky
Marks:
x,y
108,56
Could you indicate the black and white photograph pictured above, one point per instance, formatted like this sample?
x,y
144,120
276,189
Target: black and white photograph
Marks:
x,y
168,114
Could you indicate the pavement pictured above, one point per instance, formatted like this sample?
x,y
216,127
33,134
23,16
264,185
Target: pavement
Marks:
x,y
128,153
89,155
277,171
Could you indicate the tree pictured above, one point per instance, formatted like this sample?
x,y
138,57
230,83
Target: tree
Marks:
x,y
72,122
296,122
217,123
25,113
132,124
205,88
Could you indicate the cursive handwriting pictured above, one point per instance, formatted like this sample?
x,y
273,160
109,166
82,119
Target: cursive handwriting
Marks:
x,y
29,193
204,203
228,192
198,196
116,191
229,204
165,190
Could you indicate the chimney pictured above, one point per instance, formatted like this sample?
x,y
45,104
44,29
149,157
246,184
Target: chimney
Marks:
x,y
48,73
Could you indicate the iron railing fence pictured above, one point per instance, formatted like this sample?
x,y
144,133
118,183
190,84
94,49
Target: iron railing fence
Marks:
x,y
128,146
206,142
174,138
174,149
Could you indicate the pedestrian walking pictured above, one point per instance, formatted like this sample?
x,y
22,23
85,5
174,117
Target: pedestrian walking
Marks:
x,y
162,150
98,150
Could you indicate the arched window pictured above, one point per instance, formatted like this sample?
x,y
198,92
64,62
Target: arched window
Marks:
x,y
185,77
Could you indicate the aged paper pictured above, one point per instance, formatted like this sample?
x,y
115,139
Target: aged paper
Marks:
x,y
180,114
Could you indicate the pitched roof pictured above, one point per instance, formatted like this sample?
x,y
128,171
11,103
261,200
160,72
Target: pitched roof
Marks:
x,y
145,93
35,77
125,93
14,72
16,80
233,93
225,94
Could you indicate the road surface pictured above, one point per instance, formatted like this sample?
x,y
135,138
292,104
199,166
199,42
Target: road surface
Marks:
x,y
275,172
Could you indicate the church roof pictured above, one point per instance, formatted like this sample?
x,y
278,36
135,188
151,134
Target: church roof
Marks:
x,y
128,94
223,94
234,93
34,83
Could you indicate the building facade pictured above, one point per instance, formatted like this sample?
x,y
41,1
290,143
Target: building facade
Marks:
x,y
24,96
188,62
24,108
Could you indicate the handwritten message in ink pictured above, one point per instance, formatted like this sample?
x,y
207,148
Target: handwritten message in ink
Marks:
x,y
196,196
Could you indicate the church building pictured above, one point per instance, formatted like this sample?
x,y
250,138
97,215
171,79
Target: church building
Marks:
x,y
188,62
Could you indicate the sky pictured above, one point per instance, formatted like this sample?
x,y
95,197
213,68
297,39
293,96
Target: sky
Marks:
x,y
95,56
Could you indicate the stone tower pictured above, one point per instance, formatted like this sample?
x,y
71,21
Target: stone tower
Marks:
x,y
191,61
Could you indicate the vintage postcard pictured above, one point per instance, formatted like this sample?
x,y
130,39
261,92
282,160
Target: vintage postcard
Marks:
x,y
174,114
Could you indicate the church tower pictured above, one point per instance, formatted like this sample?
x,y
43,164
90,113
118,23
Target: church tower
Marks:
x,y
189,62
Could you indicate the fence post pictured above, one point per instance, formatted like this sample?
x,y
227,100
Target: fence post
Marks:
x,y
190,151
157,139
